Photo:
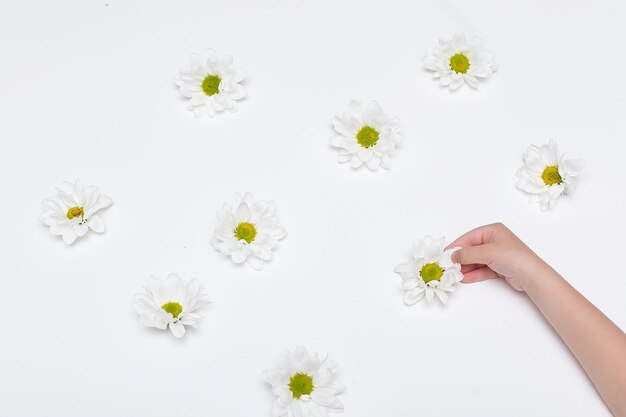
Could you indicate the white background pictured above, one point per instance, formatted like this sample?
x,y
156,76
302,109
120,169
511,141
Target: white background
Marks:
x,y
87,92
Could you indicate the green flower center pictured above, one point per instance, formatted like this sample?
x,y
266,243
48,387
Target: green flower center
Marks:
x,y
245,231
367,136
173,308
211,85
551,176
75,212
300,384
431,272
459,63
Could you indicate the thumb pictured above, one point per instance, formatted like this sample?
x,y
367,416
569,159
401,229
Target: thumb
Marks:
x,y
481,254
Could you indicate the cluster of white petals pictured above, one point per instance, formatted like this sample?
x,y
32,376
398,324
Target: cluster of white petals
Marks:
x,y
248,231
304,385
171,302
212,84
460,60
547,174
73,211
430,272
365,135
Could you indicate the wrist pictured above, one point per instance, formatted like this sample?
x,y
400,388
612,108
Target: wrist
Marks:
x,y
536,275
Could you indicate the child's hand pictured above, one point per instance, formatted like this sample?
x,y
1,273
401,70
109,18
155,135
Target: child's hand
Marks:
x,y
599,345
493,251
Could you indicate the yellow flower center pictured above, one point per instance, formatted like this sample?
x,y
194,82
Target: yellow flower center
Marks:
x,y
459,63
300,384
430,272
245,231
551,176
211,85
173,308
367,136
75,212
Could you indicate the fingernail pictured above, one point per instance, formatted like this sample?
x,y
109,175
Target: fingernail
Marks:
x,y
455,255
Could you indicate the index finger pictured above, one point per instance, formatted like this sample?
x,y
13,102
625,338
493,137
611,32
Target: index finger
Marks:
x,y
474,237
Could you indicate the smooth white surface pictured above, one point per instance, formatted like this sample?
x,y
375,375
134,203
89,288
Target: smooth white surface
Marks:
x,y
87,91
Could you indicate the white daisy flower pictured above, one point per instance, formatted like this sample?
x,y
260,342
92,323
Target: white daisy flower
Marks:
x,y
72,212
366,135
304,385
430,272
460,60
171,302
547,174
212,84
248,231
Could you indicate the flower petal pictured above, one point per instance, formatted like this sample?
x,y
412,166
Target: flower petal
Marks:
x,y
96,224
177,329
255,262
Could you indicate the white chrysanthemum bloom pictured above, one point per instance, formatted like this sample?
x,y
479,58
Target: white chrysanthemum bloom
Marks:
x,y
212,84
366,135
304,385
72,212
171,302
460,60
248,231
430,272
547,174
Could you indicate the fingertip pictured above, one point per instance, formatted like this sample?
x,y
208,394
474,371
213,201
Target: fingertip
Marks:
x,y
469,268
478,275
456,256
456,244
473,280
453,249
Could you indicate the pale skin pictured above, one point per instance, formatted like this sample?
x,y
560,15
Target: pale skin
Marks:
x,y
493,251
